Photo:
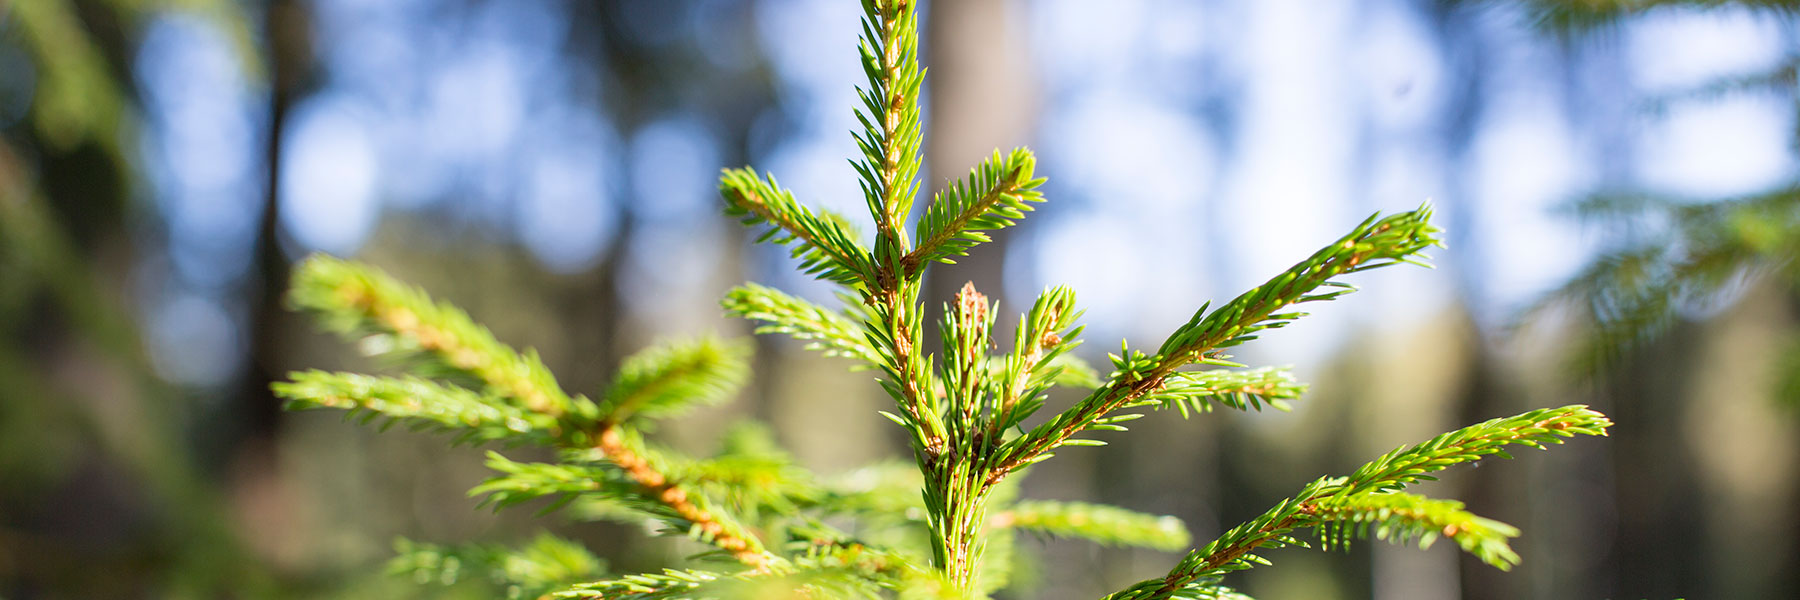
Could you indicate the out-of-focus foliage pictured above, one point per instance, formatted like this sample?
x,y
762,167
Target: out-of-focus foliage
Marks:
x,y
546,564
1676,255
1673,255
1583,14
81,112
80,100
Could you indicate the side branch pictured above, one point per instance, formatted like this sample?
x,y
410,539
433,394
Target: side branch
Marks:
x,y
825,246
1375,243
1335,498
517,398
1043,337
1035,445
741,544
823,329
995,195
353,300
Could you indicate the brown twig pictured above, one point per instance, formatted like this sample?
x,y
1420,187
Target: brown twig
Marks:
x,y
744,548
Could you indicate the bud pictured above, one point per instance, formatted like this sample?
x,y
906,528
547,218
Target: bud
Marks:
x,y
971,306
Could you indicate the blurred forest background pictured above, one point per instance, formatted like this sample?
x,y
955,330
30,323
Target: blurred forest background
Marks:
x,y
1605,170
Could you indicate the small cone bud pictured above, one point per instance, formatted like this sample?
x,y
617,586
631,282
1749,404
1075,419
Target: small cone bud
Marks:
x,y
971,305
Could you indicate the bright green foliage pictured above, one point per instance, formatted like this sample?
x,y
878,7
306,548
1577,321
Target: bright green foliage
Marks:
x,y
943,525
1400,518
484,390
668,380
892,125
1409,465
670,584
1377,242
1103,524
1366,494
547,564
520,482
825,246
1194,392
833,333
828,578
419,402
440,339
995,195
1040,359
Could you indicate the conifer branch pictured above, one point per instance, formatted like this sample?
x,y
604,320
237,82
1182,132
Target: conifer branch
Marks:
x,y
1099,523
424,403
955,493
1377,242
520,482
1198,589
350,298
825,330
1197,391
548,563
671,584
1408,465
1040,359
633,477
908,375
354,300
705,524
823,578
995,195
828,568
668,379
1353,497
891,123
825,246
897,335
1403,518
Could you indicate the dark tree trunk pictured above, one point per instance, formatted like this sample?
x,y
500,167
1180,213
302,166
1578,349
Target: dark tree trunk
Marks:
x,y
287,28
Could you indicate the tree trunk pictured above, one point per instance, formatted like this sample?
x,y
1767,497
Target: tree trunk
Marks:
x,y
980,97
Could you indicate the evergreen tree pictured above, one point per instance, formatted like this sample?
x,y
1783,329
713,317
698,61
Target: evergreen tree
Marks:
x,y
943,525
